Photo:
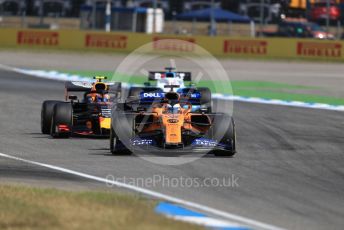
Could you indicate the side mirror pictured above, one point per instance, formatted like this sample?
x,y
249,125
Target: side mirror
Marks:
x,y
73,97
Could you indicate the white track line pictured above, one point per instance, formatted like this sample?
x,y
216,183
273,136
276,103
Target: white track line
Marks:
x,y
229,216
208,221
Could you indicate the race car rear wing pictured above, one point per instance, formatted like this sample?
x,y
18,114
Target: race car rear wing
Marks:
x,y
154,75
78,86
81,86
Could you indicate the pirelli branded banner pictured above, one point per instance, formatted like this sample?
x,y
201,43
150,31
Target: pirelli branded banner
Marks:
x,y
171,44
106,41
218,46
43,38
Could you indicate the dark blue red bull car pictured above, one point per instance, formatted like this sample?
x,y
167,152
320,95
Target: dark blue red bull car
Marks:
x,y
88,114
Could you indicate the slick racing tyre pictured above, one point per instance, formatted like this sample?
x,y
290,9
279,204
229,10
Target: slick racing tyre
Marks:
x,y
205,101
116,146
46,115
228,134
62,116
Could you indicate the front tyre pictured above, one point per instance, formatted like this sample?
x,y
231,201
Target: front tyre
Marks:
x,y
47,112
116,146
228,140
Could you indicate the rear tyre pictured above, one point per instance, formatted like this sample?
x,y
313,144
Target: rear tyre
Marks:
x,y
46,115
228,138
62,115
206,101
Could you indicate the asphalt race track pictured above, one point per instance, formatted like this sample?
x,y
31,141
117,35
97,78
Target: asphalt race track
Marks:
x,y
289,163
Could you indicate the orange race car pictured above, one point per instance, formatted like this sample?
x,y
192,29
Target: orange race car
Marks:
x,y
155,120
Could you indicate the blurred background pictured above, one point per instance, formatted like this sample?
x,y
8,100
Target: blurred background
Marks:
x,y
321,19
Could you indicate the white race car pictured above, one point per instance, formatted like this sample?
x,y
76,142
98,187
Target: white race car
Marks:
x,y
170,78
170,81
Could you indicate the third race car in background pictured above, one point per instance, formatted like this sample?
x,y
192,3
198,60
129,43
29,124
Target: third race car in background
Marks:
x,y
181,82
169,77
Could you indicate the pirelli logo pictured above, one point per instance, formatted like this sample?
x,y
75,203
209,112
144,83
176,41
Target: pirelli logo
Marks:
x,y
174,44
245,47
319,49
38,38
109,41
